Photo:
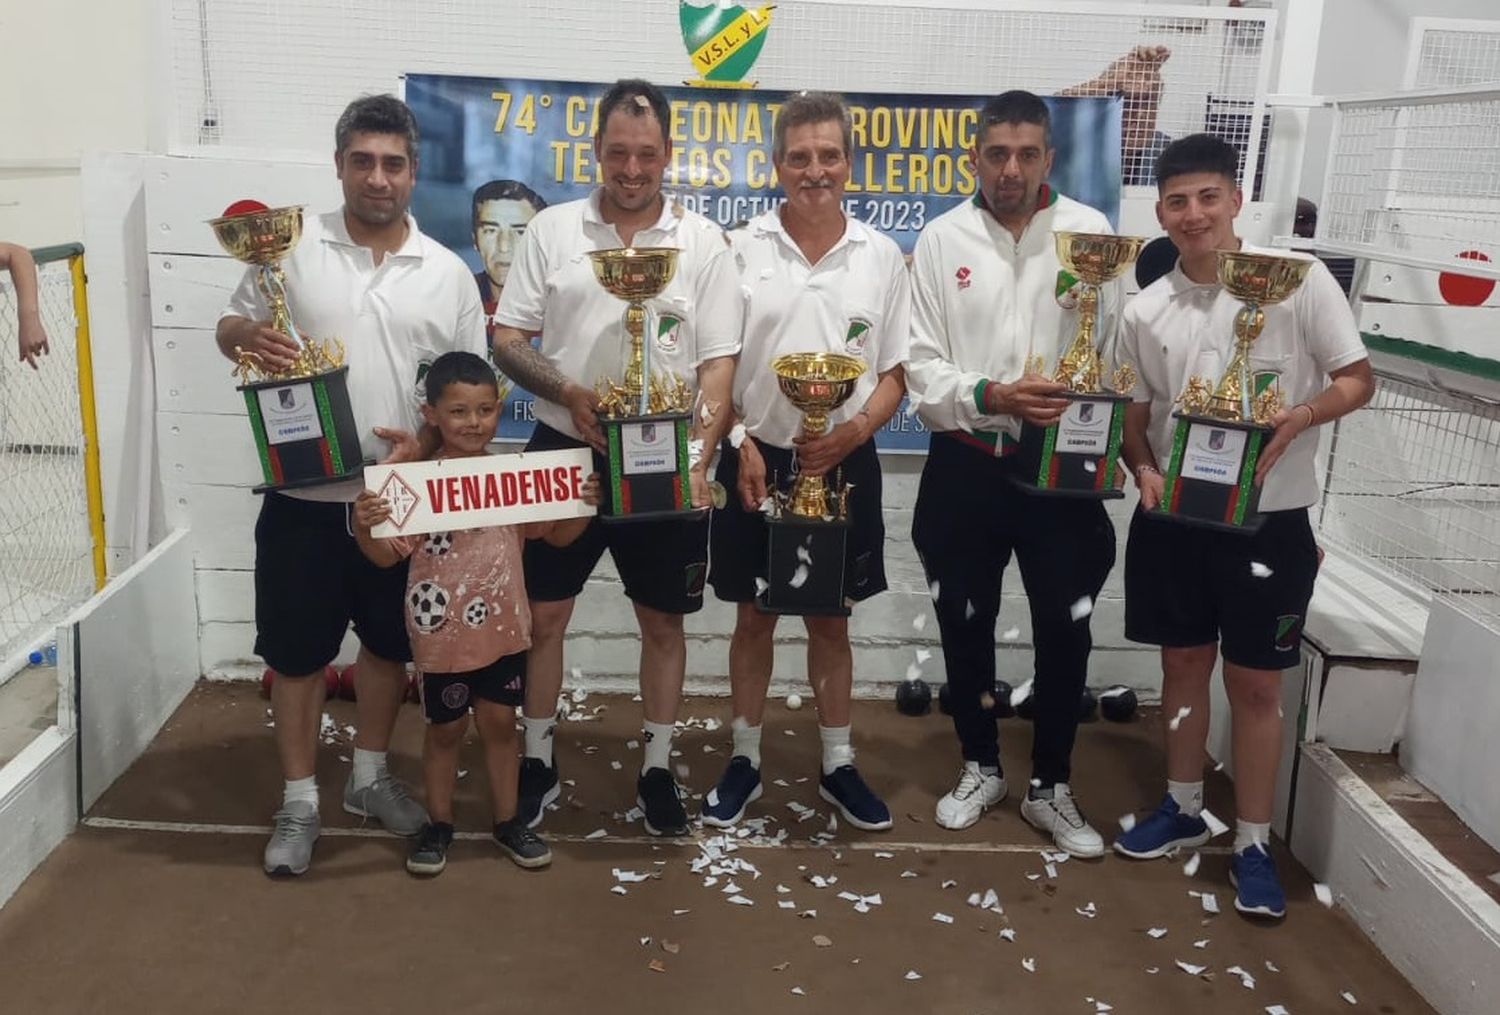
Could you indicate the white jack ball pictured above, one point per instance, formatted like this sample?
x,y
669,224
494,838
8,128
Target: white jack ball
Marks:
x,y
794,701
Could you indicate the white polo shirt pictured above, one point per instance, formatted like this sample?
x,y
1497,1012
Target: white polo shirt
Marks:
x,y
1176,328
983,302
551,288
855,300
394,320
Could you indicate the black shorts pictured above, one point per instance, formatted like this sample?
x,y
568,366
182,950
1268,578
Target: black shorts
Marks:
x,y
739,540
1187,586
662,565
447,697
311,580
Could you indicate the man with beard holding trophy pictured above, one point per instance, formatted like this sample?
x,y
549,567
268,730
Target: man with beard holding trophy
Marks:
x,y
626,230
396,300
1195,586
829,304
988,301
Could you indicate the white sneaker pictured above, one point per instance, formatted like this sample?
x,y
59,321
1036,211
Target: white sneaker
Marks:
x,y
975,793
1060,818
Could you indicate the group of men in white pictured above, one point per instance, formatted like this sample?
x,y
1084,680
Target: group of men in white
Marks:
x,y
955,333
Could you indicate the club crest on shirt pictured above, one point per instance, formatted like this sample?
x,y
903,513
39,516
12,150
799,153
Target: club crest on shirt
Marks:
x,y
964,277
1067,289
668,332
858,334
419,383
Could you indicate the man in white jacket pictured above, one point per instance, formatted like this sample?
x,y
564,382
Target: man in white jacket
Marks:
x,y
988,294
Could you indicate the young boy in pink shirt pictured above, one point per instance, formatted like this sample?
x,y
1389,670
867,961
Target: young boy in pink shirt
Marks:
x,y
469,622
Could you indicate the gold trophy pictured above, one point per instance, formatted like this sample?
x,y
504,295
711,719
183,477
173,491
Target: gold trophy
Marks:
x,y
1222,430
808,528
647,415
1078,456
303,422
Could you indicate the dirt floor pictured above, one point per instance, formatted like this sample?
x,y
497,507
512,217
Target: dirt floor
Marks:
x,y
159,903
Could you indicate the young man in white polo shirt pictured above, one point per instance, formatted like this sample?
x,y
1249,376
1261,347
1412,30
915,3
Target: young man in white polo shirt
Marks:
x,y
816,281
551,291
1196,592
988,294
363,274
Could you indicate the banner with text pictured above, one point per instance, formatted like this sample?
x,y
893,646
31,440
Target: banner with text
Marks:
x,y
495,151
482,491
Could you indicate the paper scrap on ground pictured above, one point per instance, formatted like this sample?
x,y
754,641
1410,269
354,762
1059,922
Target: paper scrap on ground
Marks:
x,y
1350,998
912,974
1323,893
1210,902
1246,980
1029,964
942,918
1189,968
1191,867
1157,932
1216,827
919,621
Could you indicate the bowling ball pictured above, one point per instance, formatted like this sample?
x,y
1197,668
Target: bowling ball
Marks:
x,y
945,704
1117,703
913,697
266,680
346,683
1002,708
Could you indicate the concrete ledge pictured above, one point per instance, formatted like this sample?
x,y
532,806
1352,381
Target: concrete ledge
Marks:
x,y
1427,917
38,805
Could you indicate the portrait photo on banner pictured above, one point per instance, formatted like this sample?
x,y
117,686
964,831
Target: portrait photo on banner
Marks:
x,y
496,151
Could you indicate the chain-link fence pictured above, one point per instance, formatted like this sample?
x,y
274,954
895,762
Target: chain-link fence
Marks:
x,y
47,544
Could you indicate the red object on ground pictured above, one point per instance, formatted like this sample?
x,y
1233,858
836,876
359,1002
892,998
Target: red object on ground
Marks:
x,y
346,683
266,680
1466,290
330,682
248,206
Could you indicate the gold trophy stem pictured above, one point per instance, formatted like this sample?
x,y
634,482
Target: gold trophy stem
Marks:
x,y
635,370
1080,367
810,494
1235,395
272,285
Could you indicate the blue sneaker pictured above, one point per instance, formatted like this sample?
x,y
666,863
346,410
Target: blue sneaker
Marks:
x,y
738,788
1258,890
1165,830
860,806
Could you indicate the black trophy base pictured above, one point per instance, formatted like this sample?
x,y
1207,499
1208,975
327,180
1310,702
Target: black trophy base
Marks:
x,y
305,433
1079,456
648,469
1210,482
805,567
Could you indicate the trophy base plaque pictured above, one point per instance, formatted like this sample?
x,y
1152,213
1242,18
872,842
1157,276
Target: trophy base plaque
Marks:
x,y
1078,456
304,430
805,567
1210,481
648,468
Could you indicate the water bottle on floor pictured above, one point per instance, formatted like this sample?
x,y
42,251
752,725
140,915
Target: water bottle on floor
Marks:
x,y
46,656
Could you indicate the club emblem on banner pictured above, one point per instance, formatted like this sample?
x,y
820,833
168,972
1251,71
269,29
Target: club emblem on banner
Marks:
x,y
723,39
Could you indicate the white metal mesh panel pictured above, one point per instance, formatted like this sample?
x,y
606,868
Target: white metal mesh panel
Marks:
x,y
46,565
271,76
1451,59
1415,180
1413,485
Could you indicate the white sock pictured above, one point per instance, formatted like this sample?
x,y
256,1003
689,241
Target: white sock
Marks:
x,y
1189,796
300,791
746,741
1250,833
539,736
658,753
368,766
837,751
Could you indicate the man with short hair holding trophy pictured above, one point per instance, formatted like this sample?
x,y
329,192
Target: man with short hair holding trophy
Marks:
x,y
363,278
638,305
826,332
990,299
1259,347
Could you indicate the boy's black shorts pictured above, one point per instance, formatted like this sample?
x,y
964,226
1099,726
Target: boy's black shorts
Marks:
x,y
447,697
1186,586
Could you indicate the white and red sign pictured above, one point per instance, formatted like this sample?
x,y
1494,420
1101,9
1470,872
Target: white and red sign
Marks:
x,y
482,491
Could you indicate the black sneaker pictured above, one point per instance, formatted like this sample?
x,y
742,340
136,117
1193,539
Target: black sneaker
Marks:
x,y
522,845
656,794
738,787
855,800
429,850
539,787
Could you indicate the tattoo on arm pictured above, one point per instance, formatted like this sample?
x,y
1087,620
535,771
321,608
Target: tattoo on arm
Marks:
x,y
530,369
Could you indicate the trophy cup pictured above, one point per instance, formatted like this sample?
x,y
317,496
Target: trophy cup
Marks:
x,y
303,423
808,528
1220,433
645,418
1078,455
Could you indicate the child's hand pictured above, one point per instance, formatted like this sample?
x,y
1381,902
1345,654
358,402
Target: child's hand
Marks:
x,y
370,509
593,490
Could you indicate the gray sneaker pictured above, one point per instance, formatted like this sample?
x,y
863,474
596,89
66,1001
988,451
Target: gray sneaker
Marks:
x,y
388,801
296,828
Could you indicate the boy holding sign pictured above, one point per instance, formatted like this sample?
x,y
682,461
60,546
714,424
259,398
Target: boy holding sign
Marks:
x,y
466,607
